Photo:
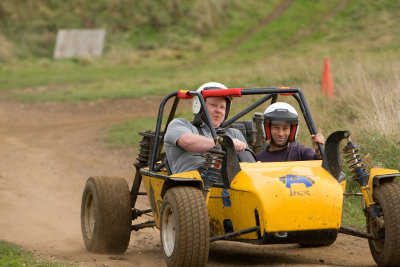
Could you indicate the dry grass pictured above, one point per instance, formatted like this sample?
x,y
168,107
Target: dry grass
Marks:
x,y
370,88
7,50
367,93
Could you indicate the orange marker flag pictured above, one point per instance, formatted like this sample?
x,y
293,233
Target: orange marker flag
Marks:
x,y
327,82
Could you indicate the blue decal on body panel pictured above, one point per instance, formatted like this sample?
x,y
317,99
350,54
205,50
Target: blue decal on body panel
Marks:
x,y
296,179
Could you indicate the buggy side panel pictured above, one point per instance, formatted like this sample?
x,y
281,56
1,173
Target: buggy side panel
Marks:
x,y
231,210
153,188
156,185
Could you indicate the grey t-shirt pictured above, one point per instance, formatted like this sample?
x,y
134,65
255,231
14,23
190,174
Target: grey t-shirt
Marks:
x,y
179,159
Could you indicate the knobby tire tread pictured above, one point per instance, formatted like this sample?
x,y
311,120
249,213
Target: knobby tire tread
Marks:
x,y
192,239
112,228
388,196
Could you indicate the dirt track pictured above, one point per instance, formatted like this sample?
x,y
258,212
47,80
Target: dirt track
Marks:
x,y
48,151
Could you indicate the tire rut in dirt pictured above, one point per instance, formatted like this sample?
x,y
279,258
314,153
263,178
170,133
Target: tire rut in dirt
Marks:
x,y
386,250
106,215
191,238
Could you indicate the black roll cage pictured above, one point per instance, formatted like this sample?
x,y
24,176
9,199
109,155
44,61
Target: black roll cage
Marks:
x,y
268,92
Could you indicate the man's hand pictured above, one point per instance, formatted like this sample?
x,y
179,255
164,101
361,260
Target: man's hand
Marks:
x,y
239,145
315,139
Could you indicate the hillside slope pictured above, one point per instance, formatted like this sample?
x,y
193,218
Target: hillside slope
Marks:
x,y
247,26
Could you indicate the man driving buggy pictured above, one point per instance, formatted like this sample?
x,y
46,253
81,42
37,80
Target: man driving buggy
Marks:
x,y
185,141
281,124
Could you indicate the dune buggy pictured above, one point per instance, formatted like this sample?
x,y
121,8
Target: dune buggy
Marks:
x,y
233,197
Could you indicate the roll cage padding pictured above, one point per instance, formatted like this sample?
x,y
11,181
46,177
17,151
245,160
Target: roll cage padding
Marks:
x,y
285,87
234,92
184,94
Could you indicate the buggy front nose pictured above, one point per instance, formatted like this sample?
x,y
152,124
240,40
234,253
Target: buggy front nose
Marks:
x,y
292,196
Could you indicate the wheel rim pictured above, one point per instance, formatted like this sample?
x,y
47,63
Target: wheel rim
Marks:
x,y
378,244
168,231
89,217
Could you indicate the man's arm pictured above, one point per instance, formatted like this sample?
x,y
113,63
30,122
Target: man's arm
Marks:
x,y
195,143
200,144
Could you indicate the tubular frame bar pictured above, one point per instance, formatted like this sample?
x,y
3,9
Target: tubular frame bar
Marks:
x,y
233,234
139,226
246,110
158,127
355,232
269,91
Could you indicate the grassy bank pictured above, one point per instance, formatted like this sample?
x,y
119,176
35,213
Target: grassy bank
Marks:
x,y
12,255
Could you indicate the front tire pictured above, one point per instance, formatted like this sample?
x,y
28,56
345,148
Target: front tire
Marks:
x,y
386,249
184,227
106,215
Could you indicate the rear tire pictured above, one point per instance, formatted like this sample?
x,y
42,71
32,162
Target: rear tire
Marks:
x,y
386,249
106,215
184,227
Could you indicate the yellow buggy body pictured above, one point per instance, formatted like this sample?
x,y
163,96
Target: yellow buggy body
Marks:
x,y
280,198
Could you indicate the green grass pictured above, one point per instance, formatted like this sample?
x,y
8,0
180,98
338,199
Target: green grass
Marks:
x,y
271,55
72,82
353,215
15,256
298,20
382,150
126,134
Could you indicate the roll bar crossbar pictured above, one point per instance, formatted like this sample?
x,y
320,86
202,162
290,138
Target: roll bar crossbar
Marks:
x,y
269,92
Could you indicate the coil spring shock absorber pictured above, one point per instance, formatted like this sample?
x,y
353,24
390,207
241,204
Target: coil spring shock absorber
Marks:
x,y
211,168
355,161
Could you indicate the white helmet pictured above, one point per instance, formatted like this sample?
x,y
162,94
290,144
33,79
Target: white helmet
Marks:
x,y
281,111
196,106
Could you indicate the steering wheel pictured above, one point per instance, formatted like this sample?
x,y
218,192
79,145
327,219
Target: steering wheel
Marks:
x,y
247,155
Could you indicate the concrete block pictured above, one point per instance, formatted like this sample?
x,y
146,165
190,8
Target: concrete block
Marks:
x,y
77,43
